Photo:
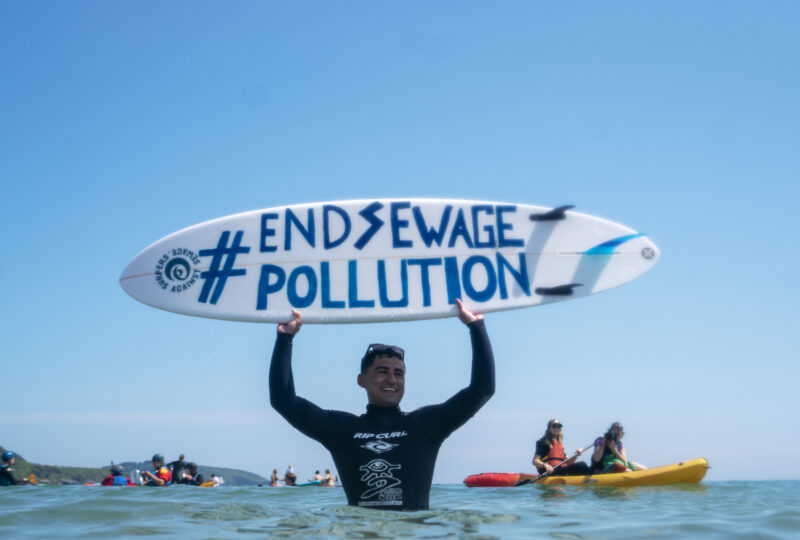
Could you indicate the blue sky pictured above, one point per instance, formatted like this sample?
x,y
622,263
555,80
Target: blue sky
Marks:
x,y
123,122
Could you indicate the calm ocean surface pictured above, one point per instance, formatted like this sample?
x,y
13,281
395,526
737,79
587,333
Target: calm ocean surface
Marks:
x,y
709,510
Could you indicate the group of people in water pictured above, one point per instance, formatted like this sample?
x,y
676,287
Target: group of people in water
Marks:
x,y
290,478
609,456
174,472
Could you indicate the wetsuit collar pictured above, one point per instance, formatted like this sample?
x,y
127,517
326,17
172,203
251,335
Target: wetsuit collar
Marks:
x,y
383,411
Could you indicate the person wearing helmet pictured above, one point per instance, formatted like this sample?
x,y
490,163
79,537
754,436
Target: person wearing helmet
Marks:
x,y
116,478
189,475
195,478
160,475
7,477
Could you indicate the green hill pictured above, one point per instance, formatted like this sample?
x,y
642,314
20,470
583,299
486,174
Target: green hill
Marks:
x,y
52,474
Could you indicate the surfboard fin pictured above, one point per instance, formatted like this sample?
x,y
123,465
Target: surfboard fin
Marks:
x,y
560,290
553,215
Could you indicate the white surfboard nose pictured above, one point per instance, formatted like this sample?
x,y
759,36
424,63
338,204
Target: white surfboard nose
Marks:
x,y
134,278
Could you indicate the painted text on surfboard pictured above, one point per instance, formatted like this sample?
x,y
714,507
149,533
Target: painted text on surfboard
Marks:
x,y
479,276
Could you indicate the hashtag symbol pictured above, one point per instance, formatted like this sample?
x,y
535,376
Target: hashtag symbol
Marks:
x,y
214,274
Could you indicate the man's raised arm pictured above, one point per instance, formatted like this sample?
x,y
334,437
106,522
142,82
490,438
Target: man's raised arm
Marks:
x,y
481,384
301,413
453,413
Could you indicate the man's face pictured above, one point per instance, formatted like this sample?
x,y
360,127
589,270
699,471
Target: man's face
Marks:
x,y
384,381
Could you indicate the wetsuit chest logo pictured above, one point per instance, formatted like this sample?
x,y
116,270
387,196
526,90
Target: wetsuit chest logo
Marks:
x,y
383,486
378,447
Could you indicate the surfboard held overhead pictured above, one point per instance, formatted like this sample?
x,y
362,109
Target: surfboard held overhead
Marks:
x,y
385,259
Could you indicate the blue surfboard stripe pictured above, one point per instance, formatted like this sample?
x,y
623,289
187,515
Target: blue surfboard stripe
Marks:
x,y
607,248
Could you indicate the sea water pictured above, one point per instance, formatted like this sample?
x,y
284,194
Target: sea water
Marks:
x,y
708,510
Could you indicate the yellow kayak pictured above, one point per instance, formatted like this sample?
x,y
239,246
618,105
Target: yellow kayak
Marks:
x,y
685,472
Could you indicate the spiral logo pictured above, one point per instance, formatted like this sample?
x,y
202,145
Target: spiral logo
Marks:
x,y
177,270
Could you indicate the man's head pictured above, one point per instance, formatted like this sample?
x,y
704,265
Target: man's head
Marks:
x,y
158,460
379,349
8,457
383,374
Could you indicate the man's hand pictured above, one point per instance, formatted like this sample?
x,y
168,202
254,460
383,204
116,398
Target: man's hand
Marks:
x,y
466,315
293,326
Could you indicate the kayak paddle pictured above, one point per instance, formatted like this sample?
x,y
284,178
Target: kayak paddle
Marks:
x,y
534,479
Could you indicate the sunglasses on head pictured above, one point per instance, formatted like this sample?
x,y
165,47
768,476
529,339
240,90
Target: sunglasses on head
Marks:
x,y
378,349
557,425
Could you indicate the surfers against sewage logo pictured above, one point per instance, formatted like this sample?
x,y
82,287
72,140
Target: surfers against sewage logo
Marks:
x,y
176,270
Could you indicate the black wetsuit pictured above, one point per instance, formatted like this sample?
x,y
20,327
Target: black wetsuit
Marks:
x,y
177,467
385,457
7,477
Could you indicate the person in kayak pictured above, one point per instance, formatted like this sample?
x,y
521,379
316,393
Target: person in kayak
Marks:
x,y
160,475
7,476
385,457
116,478
191,476
550,452
609,453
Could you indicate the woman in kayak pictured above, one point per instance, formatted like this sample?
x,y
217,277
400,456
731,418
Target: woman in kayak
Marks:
x,y
609,453
550,453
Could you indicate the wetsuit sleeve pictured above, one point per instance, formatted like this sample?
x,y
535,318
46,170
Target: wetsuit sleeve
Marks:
x,y
453,413
308,418
7,478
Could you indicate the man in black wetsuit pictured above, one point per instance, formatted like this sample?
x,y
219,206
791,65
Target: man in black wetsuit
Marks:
x,y
385,457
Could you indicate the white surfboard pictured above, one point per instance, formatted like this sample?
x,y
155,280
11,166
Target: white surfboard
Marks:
x,y
384,260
